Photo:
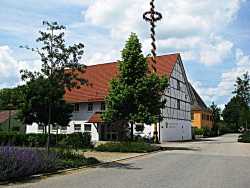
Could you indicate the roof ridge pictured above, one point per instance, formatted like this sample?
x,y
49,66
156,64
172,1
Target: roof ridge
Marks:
x,y
114,62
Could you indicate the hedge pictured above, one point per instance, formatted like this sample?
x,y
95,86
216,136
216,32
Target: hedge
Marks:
x,y
127,147
75,140
245,137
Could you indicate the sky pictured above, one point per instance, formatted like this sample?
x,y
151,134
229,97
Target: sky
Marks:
x,y
212,36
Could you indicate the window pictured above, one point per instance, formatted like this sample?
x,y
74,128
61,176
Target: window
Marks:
x,y
63,128
77,127
77,107
40,127
178,85
178,104
192,116
103,106
139,127
87,127
90,106
54,127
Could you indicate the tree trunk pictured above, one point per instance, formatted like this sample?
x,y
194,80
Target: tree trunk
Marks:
x,y
49,122
132,130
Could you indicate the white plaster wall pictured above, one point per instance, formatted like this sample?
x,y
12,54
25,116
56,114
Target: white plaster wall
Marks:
x,y
33,129
175,130
80,117
94,133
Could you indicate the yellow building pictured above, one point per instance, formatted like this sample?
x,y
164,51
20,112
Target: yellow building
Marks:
x,y
201,115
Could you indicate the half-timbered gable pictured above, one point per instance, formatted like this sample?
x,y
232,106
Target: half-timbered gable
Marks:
x,y
177,113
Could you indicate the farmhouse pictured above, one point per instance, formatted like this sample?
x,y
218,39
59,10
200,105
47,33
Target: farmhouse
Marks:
x,y
89,103
201,115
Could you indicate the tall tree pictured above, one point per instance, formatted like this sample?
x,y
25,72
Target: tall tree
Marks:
x,y
216,114
232,113
135,95
242,88
60,67
35,106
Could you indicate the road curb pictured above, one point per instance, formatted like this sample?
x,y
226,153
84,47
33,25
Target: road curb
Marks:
x,y
65,171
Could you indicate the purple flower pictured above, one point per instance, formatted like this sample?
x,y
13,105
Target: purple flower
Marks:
x,y
21,162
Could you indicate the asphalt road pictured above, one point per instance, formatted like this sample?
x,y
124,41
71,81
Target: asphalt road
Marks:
x,y
215,163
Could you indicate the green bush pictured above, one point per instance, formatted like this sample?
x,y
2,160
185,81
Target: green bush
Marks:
x,y
198,131
127,147
76,140
225,128
245,137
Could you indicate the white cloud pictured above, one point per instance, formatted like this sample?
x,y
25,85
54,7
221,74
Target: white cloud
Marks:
x,y
78,2
226,84
188,26
10,67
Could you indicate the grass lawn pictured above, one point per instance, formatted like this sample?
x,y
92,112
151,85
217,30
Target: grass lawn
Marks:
x,y
127,147
245,137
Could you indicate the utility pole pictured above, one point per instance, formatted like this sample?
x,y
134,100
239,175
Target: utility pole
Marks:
x,y
152,17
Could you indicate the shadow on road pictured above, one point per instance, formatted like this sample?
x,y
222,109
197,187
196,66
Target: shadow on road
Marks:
x,y
127,166
169,148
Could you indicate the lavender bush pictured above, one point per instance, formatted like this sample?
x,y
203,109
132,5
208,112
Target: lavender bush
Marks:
x,y
16,163
21,162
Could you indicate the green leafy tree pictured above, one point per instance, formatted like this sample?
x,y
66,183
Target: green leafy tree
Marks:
x,y
10,96
216,114
35,106
242,88
237,113
135,95
60,70
232,113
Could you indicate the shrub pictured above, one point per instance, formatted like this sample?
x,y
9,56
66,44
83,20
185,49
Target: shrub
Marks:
x,y
76,140
15,128
245,137
225,128
130,147
17,163
198,131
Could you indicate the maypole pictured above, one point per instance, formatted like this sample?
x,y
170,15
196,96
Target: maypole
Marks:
x,y
152,17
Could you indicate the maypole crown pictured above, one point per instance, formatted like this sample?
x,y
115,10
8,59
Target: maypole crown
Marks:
x,y
152,17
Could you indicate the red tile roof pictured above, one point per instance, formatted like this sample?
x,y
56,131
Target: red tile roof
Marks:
x,y
4,115
100,75
96,118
